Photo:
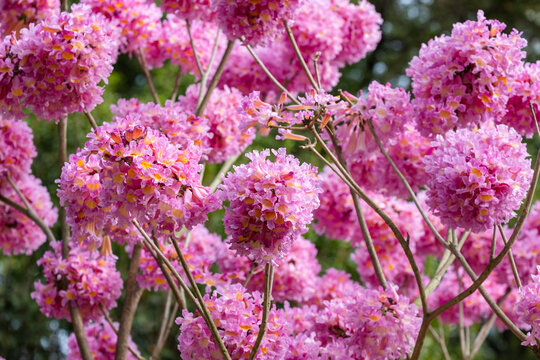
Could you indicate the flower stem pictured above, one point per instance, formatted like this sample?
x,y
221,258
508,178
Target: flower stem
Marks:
x,y
268,279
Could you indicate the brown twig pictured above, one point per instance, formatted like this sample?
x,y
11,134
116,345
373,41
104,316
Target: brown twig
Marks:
x,y
176,84
298,53
111,324
131,300
268,279
91,120
146,72
215,79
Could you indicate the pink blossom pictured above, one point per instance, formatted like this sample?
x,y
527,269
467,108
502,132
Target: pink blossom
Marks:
x,y
177,44
190,9
525,92
16,14
200,252
101,340
19,234
18,150
258,22
477,178
84,277
271,204
361,30
465,79
55,66
237,315
223,117
139,22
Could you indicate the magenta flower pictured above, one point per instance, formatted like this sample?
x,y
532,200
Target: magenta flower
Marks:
x,y
19,234
271,204
176,122
190,9
477,178
84,277
16,14
55,66
226,137
101,340
200,253
237,315
526,89
18,150
465,79
361,31
528,307
144,176
177,44
257,21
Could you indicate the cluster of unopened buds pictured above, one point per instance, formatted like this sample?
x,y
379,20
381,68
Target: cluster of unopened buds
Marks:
x,y
404,178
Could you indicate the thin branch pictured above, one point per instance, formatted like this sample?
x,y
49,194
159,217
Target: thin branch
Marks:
x,y
493,243
146,72
195,54
440,340
63,158
268,279
198,294
205,74
534,118
111,324
131,300
91,120
215,79
406,183
296,49
224,168
511,258
250,274
484,331
369,242
177,81
30,213
80,334
200,307
316,66
270,76
165,329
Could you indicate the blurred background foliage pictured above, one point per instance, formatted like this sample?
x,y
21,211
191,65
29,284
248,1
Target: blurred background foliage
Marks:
x,y
27,334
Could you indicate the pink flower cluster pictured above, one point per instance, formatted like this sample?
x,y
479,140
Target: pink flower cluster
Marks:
x,y
177,44
16,14
201,252
237,314
143,176
361,31
365,324
223,117
256,21
190,9
101,340
475,308
295,276
19,234
55,67
18,149
84,277
271,204
336,218
527,308
176,122
525,91
138,21
341,31
465,79
477,179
